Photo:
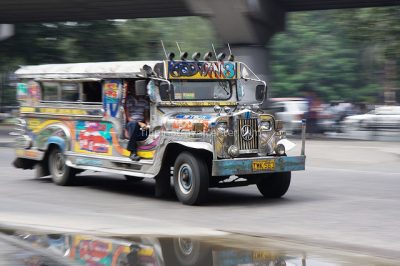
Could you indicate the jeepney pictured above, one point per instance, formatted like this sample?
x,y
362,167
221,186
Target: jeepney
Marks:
x,y
206,127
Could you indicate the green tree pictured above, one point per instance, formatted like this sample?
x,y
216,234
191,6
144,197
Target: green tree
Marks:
x,y
341,53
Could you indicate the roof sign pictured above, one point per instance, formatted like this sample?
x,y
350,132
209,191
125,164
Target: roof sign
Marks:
x,y
201,70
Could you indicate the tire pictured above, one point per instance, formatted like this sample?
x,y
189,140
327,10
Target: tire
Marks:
x,y
62,174
274,185
191,179
133,178
186,252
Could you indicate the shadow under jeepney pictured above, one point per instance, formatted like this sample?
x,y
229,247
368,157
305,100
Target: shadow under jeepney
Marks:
x,y
257,165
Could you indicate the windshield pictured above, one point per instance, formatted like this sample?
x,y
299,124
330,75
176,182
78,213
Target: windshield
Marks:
x,y
201,90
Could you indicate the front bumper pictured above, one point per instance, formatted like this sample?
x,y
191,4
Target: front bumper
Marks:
x,y
244,166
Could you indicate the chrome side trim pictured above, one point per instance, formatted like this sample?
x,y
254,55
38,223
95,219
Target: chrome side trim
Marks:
x,y
110,158
196,145
107,170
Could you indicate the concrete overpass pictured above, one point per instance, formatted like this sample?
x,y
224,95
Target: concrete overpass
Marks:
x,y
246,24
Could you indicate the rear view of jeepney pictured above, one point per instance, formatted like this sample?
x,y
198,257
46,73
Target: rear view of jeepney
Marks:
x,y
205,130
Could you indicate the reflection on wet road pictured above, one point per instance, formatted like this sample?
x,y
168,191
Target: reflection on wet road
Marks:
x,y
39,249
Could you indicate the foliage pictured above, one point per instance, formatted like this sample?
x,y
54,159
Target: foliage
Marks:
x,y
348,54
342,54
115,40
102,40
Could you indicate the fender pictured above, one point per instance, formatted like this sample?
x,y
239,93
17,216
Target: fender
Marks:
x,y
58,134
287,143
196,145
56,140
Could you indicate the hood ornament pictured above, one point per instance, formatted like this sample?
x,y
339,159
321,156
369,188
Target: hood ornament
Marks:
x,y
247,132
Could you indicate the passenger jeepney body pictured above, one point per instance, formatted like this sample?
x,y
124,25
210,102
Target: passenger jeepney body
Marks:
x,y
205,107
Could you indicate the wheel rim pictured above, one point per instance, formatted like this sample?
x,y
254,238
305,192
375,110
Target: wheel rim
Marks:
x,y
185,178
58,164
185,245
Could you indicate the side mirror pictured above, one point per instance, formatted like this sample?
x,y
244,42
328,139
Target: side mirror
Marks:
x,y
260,92
164,91
140,87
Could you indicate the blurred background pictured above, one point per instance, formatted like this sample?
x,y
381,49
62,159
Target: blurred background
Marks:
x,y
326,65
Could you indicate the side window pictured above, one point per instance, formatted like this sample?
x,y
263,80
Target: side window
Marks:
x,y
69,92
50,91
92,92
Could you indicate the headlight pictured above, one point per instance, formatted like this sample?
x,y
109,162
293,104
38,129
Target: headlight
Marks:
x,y
233,151
280,149
265,125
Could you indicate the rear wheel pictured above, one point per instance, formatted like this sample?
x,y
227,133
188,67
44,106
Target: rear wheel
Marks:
x,y
274,185
191,179
62,174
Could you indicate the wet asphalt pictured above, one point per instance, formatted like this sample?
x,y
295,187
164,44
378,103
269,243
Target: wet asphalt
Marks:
x,y
347,201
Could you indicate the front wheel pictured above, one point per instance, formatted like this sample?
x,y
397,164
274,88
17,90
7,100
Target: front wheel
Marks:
x,y
133,179
62,174
274,185
191,179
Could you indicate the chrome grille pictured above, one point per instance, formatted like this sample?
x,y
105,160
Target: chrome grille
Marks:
x,y
248,134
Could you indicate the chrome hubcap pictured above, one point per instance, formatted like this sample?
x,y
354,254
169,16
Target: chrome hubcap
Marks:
x,y
185,245
59,164
185,178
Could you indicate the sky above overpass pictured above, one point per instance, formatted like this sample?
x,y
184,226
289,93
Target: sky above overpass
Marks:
x,y
12,11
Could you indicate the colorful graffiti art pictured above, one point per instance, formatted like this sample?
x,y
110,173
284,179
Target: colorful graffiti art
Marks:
x,y
88,251
22,92
93,137
34,92
29,93
111,99
201,70
182,122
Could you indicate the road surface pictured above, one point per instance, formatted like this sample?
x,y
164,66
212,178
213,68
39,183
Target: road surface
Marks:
x,y
348,198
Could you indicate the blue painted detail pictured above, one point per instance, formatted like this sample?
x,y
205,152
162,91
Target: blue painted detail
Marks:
x,y
184,116
58,141
88,162
112,109
243,166
248,115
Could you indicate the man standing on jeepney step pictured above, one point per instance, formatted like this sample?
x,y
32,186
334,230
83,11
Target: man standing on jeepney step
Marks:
x,y
137,114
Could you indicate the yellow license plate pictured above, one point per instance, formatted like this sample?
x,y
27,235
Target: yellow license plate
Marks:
x,y
263,165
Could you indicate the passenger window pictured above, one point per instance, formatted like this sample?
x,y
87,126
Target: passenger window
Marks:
x,y
92,92
50,91
69,92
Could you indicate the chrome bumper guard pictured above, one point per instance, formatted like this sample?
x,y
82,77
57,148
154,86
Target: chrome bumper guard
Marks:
x,y
244,166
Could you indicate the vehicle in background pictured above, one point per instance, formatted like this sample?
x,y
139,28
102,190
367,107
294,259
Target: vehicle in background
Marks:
x,y
289,110
381,118
4,116
8,112
292,110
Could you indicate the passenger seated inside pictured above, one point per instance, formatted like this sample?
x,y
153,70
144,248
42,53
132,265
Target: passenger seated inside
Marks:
x,y
137,114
